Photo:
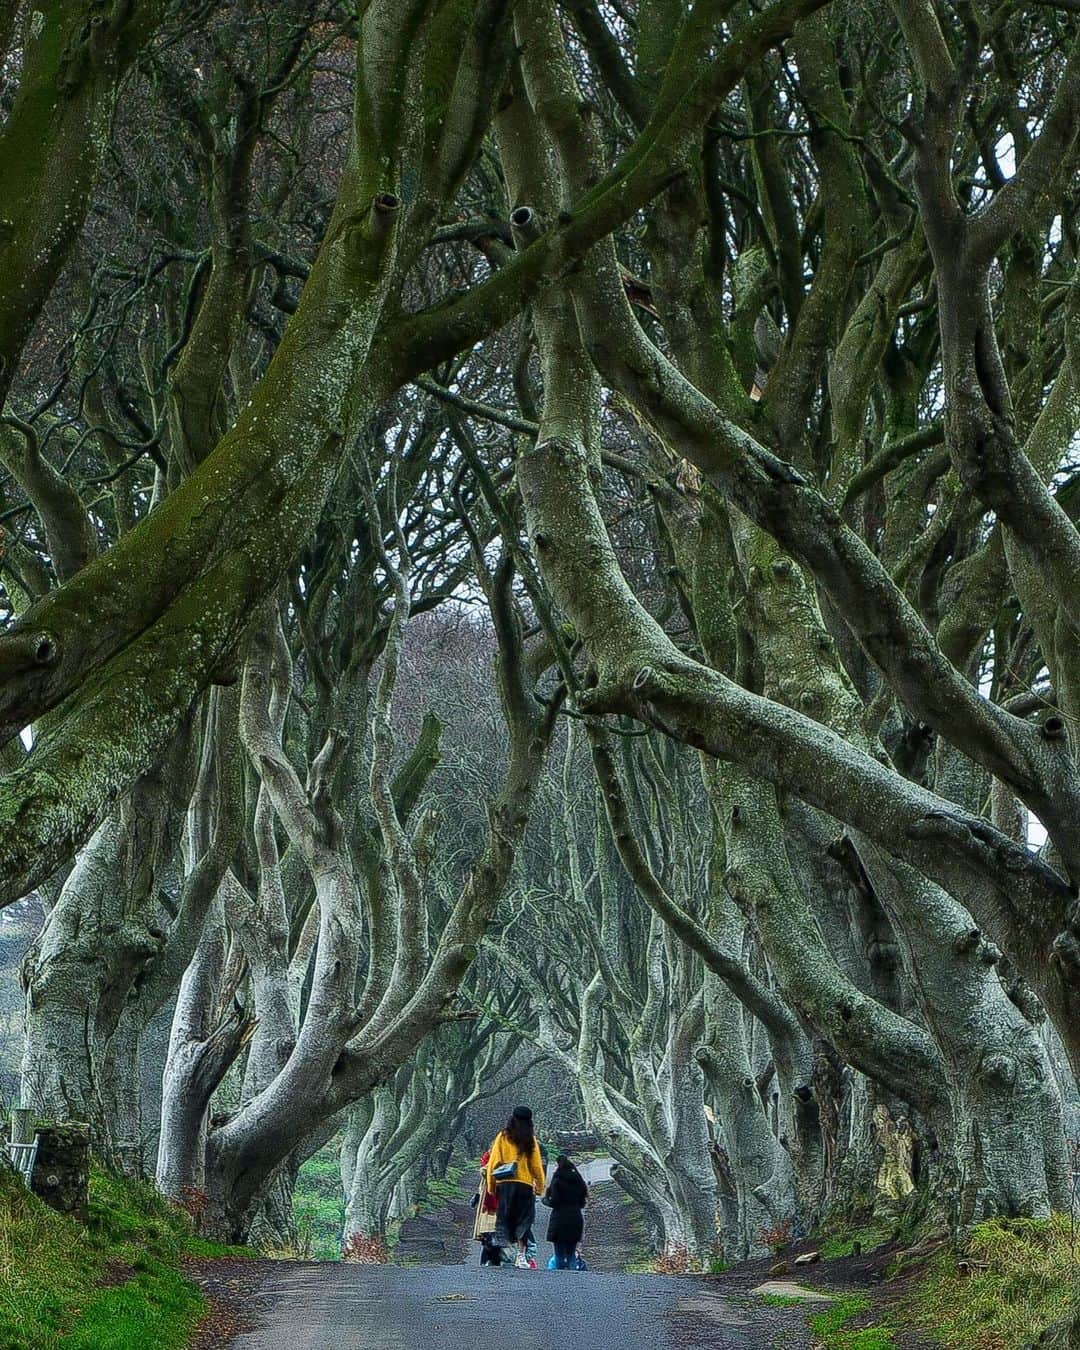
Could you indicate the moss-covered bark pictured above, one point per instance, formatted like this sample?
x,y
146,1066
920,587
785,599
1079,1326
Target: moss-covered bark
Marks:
x,y
74,57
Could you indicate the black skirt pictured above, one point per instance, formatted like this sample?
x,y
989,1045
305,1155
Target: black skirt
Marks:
x,y
517,1210
566,1226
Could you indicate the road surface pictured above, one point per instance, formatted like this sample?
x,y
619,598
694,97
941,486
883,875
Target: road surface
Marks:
x,y
449,1302
330,1306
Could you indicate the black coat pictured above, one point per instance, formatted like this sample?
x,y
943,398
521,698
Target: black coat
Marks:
x,y
567,1195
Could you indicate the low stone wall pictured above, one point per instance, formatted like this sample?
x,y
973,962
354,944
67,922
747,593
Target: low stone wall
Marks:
x,y
578,1141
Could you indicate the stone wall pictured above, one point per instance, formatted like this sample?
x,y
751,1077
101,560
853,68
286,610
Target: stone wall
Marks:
x,y
62,1169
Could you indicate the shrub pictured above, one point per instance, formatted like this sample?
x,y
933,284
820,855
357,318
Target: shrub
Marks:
x,y
365,1251
674,1260
777,1238
194,1203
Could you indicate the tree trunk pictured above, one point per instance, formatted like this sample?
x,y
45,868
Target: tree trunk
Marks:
x,y
1005,1125
762,1172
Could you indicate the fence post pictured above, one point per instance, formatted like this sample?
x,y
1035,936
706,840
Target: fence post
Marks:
x,y
62,1167
22,1125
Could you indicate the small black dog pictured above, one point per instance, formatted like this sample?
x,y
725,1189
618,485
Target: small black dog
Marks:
x,y
490,1255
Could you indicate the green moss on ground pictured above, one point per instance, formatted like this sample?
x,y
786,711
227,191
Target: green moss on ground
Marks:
x,y
116,1284
1015,1278
833,1330
442,1191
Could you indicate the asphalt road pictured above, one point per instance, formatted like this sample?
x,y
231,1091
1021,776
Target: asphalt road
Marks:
x,y
328,1306
292,1305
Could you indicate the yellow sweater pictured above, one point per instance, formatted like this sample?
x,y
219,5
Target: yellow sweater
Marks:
x,y
529,1169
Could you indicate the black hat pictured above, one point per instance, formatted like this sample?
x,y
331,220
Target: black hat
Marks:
x,y
522,1113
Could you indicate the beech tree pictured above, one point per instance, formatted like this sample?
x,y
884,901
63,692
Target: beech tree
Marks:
x,y
724,354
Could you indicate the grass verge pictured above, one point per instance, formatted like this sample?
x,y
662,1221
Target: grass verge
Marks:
x,y
833,1327
442,1191
1015,1278
116,1284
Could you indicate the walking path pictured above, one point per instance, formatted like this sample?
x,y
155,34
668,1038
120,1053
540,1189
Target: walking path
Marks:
x,y
459,1305
328,1306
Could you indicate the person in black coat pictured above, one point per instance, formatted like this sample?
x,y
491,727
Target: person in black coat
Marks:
x,y
567,1195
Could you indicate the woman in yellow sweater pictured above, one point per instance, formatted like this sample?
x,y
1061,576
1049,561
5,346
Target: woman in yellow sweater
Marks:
x,y
515,1174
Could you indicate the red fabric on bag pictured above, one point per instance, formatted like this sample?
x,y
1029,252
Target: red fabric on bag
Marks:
x,y
490,1202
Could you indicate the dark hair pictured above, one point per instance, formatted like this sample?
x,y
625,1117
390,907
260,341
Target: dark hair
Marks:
x,y
567,1174
520,1133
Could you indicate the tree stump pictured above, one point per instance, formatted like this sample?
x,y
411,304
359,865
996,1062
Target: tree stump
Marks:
x,y
62,1169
